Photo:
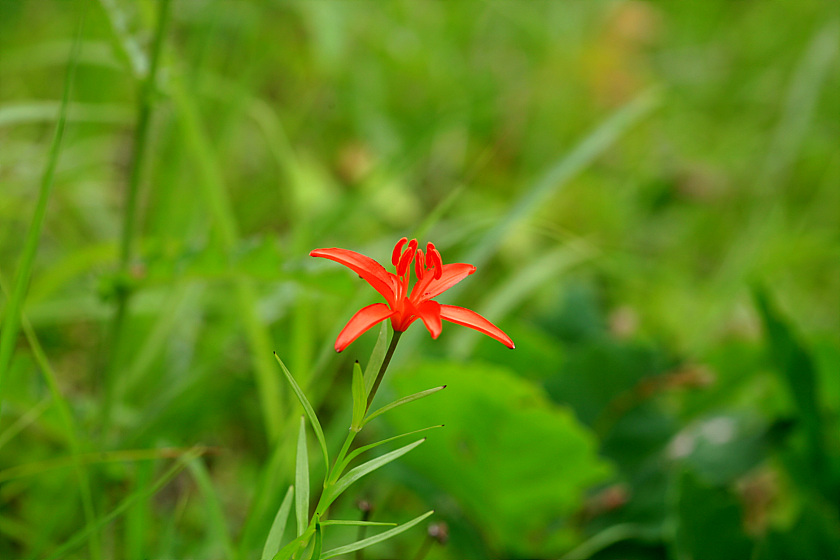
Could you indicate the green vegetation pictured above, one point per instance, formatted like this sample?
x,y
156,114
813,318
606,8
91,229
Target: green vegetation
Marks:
x,y
649,191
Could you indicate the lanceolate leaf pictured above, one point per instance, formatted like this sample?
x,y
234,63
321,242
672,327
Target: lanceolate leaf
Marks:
x,y
275,535
368,447
344,482
402,401
310,412
357,523
364,543
302,480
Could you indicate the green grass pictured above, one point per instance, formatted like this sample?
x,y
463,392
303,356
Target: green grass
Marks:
x,y
623,174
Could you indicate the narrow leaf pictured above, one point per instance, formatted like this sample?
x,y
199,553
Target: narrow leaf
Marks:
x,y
310,412
364,543
368,447
275,535
359,398
218,529
357,523
355,474
11,322
402,401
302,480
376,358
319,536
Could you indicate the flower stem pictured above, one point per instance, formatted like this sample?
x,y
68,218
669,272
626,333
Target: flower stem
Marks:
x,y
385,362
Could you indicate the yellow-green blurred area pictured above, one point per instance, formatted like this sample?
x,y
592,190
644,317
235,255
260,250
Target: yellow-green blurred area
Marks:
x,y
650,192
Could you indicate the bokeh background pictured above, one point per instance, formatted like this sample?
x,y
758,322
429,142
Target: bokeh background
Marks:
x,y
650,192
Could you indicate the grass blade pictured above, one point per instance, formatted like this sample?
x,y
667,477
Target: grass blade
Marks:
x,y
11,321
359,398
364,543
302,480
401,402
355,474
310,412
218,528
563,170
73,542
278,527
376,357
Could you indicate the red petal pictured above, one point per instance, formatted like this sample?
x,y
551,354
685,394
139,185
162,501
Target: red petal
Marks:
x,y
471,319
364,319
371,271
451,274
429,312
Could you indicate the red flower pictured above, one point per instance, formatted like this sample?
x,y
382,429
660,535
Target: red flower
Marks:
x,y
404,307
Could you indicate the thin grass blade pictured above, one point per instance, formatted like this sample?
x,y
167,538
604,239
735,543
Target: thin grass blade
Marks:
x,y
11,320
310,412
76,540
278,527
401,402
364,543
217,526
302,480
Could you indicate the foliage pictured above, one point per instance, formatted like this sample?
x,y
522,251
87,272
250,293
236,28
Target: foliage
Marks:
x,y
647,188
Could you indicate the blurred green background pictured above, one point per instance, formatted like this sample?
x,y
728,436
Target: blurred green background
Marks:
x,y
648,189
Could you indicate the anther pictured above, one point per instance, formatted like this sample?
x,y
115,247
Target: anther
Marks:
x,y
395,256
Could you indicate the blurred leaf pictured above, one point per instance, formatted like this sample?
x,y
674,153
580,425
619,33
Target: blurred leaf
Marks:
x,y
796,366
302,480
216,525
364,543
708,523
501,435
816,534
278,527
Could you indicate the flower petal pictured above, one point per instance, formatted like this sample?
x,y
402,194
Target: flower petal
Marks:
x,y
451,274
371,271
429,313
364,319
471,319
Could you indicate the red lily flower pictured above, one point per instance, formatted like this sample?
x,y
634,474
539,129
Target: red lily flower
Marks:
x,y
404,307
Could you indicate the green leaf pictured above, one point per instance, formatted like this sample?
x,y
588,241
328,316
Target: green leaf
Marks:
x,y
278,527
319,536
217,529
796,367
402,401
368,447
709,523
376,358
357,523
11,321
302,480
359,398
364,543
310,412
501,432
355,474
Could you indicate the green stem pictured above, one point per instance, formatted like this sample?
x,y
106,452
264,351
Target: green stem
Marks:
x,y
394,340
139,149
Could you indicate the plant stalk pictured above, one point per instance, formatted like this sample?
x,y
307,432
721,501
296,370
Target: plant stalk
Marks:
x,y
379,376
